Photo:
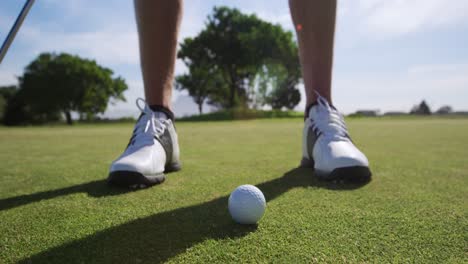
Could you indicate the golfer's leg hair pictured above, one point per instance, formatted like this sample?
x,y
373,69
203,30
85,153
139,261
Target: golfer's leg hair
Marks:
x,y
315,27
158,27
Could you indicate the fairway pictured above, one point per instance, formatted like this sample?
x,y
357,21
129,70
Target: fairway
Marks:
x,y
55,206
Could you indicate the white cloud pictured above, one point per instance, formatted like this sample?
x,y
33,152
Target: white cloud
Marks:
x,y
282,18
429,69
107,47
112,40
396,17
438,84
7,77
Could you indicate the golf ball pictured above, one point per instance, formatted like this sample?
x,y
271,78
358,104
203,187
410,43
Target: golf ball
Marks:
x,y
246,204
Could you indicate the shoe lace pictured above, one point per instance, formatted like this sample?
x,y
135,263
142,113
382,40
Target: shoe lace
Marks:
x,y
147,127
329,121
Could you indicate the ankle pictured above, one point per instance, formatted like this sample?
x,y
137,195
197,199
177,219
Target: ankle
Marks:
x,y
308,107
165,110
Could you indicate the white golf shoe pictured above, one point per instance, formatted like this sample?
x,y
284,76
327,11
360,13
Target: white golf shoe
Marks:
x,y
153,149
327,146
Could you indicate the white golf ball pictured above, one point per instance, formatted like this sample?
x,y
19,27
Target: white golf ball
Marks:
x,y
246,204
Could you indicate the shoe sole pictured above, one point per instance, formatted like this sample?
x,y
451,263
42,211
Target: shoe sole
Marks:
x,y
136,180
352,174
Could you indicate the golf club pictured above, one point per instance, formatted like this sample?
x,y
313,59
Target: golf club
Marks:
x,y
11,35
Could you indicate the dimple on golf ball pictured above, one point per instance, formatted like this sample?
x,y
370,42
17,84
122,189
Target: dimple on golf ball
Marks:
x,y
246,204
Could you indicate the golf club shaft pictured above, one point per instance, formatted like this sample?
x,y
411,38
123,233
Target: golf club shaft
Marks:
x,y
15,28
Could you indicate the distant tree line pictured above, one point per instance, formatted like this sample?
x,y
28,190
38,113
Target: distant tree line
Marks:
x,y
424,109
239,60
419,109
55,85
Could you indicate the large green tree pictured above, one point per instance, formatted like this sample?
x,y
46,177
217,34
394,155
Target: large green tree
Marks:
x,y
201,83
6,93
19,112
421,109
237,47
64,83
276,85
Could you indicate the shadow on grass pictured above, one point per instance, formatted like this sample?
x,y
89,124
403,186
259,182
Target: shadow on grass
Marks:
x,y
162,236
94,188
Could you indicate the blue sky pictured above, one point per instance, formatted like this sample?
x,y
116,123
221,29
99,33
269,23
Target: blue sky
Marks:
x,y
389,54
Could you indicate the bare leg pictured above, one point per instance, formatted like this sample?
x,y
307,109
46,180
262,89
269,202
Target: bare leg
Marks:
x,y
158,25
314,21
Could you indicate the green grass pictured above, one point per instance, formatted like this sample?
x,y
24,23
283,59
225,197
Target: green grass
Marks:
x,y
56,208
243,114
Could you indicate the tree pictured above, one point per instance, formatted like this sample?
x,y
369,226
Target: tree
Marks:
x,y
18,112
200,84
421,109
284,96
277,87
65,83
237,47
6,93
446,109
